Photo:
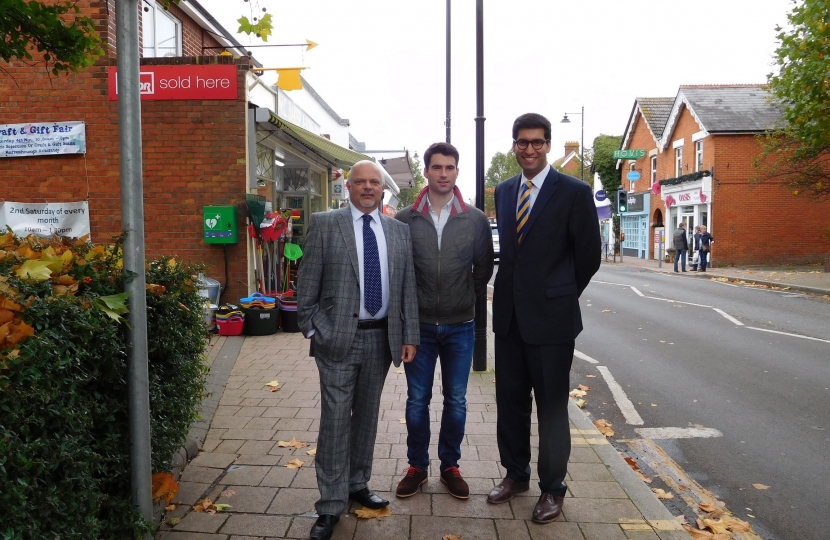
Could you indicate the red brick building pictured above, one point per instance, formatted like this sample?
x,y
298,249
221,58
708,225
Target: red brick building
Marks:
x,y
197,151
699,170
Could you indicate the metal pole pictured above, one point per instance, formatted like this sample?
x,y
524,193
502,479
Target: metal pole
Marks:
x,y
132,224
660,253
582,147
480,348
449,62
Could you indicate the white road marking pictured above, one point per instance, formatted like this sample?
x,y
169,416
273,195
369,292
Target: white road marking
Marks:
x,y
788,334
636,290
585,357
729,317
678,433
626,407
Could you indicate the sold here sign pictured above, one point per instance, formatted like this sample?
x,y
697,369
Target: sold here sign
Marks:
x,y
182,82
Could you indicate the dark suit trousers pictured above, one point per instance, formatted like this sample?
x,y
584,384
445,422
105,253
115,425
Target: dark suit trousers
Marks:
x,y
545,370
350,391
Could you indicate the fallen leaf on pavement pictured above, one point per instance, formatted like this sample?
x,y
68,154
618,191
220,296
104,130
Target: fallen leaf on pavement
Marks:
x,y
451,537
632,463
606,311
293,443
577,393
760,486
737,525
579,403
653,404
228,493
663,495
174,521
717,526
312,452
164,487
604,427
273,385
220,507
681,519
204,505
698,535
707,507
643,477
590,376
399,372
403,420
295,464
583,387
369,513
171,507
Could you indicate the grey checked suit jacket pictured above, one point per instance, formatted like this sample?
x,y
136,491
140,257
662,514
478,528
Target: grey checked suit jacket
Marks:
x,y
328,286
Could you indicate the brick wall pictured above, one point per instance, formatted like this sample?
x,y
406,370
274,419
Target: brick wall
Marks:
x,y
763,223
193,155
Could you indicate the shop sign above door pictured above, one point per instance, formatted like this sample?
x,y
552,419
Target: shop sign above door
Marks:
x,y
182,82
628,154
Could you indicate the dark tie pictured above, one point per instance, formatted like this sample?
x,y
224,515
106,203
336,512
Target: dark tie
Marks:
x,y
524,210
371,268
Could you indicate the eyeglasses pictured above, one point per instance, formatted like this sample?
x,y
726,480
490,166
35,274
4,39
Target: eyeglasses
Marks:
x,y
537,144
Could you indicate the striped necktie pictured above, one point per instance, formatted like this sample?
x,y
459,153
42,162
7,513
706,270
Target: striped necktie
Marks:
x,y
372,286
524,211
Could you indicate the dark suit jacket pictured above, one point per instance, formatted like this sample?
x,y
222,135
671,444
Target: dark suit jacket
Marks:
x,y
328,285
541,280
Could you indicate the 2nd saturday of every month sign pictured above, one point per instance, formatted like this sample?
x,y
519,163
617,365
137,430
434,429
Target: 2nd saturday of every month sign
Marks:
x,y
42,138
45,219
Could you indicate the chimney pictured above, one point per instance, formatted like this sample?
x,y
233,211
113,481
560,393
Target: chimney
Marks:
x,y
571,146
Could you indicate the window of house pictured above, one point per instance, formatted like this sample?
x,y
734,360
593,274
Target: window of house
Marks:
x,y
631,168
678,161
161,32
698,156
653,170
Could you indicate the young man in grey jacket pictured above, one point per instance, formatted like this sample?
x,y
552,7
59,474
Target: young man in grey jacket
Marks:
x,y
453,250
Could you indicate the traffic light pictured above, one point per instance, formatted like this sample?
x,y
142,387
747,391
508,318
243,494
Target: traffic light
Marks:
x,y
622,201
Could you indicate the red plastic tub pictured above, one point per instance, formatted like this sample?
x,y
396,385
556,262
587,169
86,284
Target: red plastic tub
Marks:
x,y
230,328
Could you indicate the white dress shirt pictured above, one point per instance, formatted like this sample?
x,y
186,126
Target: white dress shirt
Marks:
x,y
377,228
440,220
537,182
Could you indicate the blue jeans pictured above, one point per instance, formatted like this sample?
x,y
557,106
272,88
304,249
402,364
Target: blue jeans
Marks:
x,y
704,259
680,255
453,343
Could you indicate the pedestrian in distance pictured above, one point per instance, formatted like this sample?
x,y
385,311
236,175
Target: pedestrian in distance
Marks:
x,y
550,242
681,246
358,304
706,241
696,249
452,245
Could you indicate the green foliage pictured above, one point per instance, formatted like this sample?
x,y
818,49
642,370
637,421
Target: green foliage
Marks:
x,y
605,166
798,154
584,172
261,27
502,167
64,439
63,40
407,196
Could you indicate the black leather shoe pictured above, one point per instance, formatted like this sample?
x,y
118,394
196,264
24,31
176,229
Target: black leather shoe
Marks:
x,y
323,527
368,499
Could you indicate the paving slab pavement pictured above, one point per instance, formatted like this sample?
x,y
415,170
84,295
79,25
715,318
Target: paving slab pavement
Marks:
x,y
241,464
809,279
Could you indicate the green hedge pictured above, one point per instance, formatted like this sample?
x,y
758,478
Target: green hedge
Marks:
x,y
64,455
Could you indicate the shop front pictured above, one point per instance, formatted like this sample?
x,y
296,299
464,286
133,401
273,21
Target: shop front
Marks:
x,y
688,202
635,225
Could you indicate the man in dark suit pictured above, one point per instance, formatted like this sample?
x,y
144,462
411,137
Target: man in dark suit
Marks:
x,y
550,248
358,303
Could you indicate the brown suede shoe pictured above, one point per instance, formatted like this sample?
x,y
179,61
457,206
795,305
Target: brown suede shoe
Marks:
x,y
548,508
456,485
505,491
411,483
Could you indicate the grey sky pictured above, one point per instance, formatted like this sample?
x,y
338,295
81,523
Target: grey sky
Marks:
x,y
381,63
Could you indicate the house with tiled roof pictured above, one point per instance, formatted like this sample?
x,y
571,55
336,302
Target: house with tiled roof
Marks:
x,y
704,175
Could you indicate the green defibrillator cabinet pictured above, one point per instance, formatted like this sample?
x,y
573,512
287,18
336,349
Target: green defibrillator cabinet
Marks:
x,y
220,225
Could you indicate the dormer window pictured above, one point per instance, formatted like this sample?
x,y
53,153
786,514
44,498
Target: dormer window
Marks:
x,y
161,32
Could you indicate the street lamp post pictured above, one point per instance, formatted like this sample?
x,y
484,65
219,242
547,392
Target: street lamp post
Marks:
x,y
565,120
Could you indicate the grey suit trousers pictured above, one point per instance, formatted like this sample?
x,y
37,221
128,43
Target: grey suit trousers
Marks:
x,y
350,392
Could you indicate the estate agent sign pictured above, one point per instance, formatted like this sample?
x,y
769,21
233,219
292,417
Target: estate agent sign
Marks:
x,y
42,138
209,81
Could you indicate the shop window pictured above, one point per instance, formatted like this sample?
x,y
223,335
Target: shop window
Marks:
x,y
316,182
161,32
296,179
698,156
678,161
265,167
653,170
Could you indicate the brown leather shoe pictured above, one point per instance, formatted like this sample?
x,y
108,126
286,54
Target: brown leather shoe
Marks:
x,y
505,491
456,485
548,508
411,483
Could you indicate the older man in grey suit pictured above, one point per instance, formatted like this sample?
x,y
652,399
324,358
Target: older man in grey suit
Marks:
x,y
357,302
